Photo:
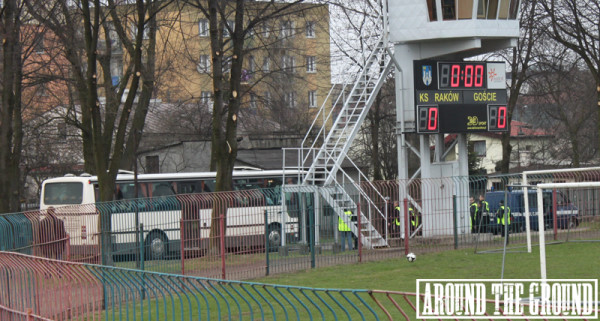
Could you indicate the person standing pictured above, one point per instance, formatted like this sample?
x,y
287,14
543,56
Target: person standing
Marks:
x,y
414,220
345,231
394,221
484,214
503,219
474,209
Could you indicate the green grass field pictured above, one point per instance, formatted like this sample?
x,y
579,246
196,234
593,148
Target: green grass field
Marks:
x,y
569,260
240,301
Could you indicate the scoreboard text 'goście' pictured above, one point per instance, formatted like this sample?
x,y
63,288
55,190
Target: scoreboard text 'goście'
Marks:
x,y
460,97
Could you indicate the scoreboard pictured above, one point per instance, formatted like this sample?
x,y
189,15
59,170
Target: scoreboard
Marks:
x,y
460,97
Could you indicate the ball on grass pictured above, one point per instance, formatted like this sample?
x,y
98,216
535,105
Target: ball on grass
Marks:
x,y
411,257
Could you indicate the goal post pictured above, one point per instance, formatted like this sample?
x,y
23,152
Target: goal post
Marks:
x,y
525,183
542,237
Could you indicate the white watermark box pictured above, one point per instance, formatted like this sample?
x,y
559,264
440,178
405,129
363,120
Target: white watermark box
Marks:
x,y
513,298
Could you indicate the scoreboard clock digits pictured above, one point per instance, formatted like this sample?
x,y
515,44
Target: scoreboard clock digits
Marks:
x,y
497,119
462,75
428,119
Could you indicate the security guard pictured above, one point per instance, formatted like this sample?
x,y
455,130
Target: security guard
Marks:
x,y
484,214
474,208
503,219
345,231
395,223
414,220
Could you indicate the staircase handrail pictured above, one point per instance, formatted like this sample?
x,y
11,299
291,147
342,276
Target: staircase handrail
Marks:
x,y
322,130
355,89
360,189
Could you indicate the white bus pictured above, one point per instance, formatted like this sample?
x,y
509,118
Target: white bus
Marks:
x,y
165,204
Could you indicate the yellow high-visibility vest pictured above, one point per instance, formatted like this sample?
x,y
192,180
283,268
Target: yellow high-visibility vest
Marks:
x,y
342,227
500,220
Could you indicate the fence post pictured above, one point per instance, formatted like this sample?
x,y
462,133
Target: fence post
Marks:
x,y
182,248
406,228
554,216
358,221
267,242
311,235
222,237
455,222
142,256
68,247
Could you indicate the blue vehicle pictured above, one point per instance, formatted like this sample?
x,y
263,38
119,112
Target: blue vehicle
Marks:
x,y
567,214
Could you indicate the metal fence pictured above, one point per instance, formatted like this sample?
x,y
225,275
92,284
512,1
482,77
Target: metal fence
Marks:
x,y
253,233
34,288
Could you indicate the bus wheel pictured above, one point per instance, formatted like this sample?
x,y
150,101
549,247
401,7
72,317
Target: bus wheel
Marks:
x,y
274,236
156,244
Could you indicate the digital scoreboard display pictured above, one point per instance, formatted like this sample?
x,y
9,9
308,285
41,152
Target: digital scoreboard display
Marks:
x,y
460,97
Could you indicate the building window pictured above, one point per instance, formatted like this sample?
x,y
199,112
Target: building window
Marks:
x,y
288,63
230,26
290,99
206,100
266,66
253,100
38,44
265,30
286,29
312,98
41,90
310,29
268,99
311,65
204,64
226,65
152,164
203,28
145,35
479,148
62,131
251,64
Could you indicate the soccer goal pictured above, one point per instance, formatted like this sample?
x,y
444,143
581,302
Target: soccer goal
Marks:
x,y
579,214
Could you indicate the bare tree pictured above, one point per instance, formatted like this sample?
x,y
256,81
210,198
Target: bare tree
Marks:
x,y
354,33
87,30
11,133
574,24
92,35
564,94
521,58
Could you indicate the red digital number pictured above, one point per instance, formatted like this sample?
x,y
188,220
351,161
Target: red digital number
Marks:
x,y
455,76
469,76
501,117
432,119
479,74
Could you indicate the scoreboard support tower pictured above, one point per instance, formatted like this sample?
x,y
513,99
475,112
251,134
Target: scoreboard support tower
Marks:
x,y
436,90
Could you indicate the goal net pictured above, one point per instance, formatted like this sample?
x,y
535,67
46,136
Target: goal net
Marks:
x,y
572,216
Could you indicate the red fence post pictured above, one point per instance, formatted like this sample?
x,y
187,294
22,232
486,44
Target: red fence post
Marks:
x,y
182,249
68,247
406,228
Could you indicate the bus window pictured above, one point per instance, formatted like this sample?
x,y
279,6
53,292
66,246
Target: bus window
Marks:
x,y
208,186
63,193
188,187
162,189
246,184
273,182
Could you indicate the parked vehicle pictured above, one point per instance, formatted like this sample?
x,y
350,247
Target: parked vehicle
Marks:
x,y
567,214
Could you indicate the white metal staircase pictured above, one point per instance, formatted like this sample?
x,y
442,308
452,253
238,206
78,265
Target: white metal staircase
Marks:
x,y
354,110
328,149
